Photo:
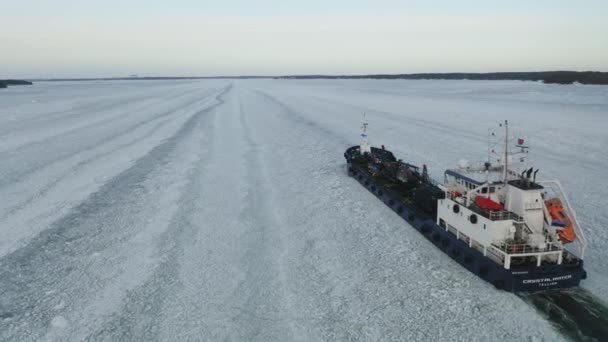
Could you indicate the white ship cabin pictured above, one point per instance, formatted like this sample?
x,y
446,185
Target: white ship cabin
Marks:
x,y
509,217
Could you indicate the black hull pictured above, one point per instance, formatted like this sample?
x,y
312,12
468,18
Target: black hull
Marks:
x,y
517,279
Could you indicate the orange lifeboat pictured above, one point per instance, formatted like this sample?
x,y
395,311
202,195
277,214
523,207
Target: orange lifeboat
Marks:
x,y
557,212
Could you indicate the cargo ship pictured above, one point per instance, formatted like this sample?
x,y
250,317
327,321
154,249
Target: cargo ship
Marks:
x,y
517,233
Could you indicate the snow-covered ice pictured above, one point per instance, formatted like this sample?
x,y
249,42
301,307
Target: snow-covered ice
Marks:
x,y
221,209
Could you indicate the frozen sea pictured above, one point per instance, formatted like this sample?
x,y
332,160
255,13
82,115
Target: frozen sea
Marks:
x,y
221,209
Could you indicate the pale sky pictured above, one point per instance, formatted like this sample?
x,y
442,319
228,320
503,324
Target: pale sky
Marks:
x,y
111,38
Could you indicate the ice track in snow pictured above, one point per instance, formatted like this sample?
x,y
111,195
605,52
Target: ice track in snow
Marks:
x,y
221,210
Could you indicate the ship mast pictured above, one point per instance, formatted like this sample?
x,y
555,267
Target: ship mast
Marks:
x,y
364,148
506,156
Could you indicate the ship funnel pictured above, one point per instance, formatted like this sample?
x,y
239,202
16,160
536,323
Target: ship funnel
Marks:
x,y
527,179
535,172
529,173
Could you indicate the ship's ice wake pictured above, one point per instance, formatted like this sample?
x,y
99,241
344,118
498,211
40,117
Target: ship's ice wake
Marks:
x,y
577,313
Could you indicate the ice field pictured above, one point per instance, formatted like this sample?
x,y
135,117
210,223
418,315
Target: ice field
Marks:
x,y
221,209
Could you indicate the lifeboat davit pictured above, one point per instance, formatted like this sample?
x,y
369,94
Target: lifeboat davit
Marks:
x,y
559,217
487,203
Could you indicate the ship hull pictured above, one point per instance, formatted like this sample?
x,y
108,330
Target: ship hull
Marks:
x,y
517,279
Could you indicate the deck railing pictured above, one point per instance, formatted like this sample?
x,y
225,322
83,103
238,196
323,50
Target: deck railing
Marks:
x,y
513,248
493,215
502,215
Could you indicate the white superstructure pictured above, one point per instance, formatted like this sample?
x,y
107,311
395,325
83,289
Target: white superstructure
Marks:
x,y
509,216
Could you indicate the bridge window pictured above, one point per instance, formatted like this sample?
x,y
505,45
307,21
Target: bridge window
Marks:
x,y
492,189
484,190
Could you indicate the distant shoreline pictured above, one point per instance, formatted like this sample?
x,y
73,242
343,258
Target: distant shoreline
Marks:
x,y
549,77
6,83
150,78
557,77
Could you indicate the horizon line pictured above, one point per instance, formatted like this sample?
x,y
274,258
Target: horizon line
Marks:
x,y
85,78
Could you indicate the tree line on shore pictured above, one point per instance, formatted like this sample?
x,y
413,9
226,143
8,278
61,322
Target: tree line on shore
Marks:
x,y
6,83
559,77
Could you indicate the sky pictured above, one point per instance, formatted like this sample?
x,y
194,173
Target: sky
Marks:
x,y
111,38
